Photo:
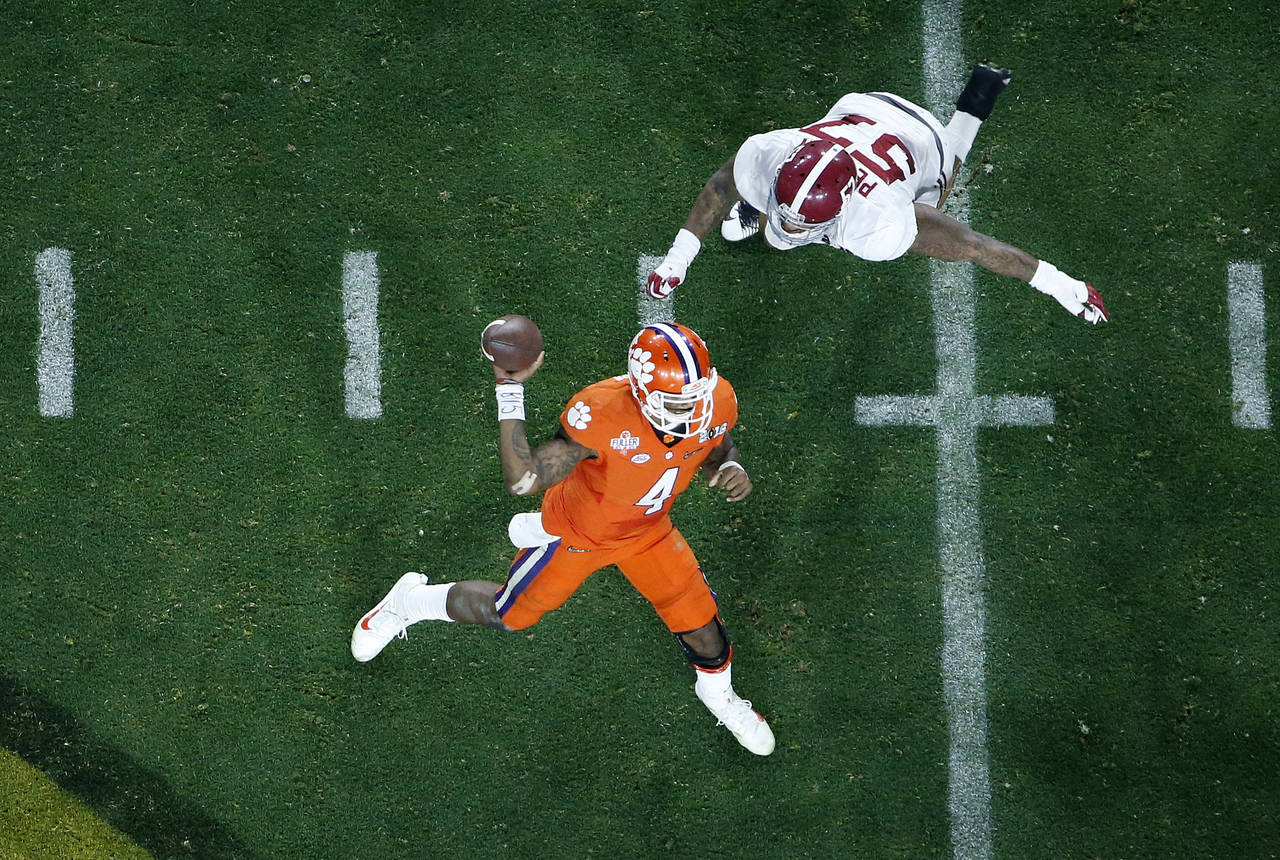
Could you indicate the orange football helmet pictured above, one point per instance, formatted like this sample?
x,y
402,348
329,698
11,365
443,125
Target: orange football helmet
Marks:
x,y
672,379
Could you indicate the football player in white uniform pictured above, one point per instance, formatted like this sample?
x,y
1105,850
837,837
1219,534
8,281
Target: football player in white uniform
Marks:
x,y
869,178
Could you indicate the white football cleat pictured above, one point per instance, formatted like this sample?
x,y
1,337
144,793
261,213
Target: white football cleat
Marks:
x,y
736,714
385,621
742,222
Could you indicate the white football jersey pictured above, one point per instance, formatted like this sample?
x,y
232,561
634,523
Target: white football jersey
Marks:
x,y
903,156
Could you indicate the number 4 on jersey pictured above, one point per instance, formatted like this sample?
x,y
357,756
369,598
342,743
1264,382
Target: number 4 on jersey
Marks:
x,y
662,489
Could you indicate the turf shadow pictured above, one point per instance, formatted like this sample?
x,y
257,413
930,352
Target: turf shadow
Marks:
x,y
134,800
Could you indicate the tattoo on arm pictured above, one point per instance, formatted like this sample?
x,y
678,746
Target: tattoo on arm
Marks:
x,y
520,447
995,256
555,460
527,470
551,462
519,472
944,238
714,201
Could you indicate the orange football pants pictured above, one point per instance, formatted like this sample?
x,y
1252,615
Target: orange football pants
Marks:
x,y
666,573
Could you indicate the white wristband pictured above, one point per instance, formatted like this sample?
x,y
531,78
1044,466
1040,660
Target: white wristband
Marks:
x,y
1049,279
685,247
510,401
1045,276
727,463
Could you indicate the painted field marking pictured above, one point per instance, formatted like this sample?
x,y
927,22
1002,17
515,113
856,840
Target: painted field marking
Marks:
x,y
1250,400
650,310
363,371
55,353
956,412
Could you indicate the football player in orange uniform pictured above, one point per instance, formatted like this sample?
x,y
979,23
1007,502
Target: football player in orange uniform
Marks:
x,y
626,447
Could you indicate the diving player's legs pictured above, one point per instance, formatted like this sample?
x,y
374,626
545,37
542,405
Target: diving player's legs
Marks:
x,y
972,108
410,600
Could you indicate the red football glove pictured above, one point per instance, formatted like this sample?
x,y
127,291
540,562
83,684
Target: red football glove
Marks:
x,y
670,272
1079,298
1094,311
664,279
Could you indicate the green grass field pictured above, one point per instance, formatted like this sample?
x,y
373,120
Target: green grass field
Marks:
x,y
187,553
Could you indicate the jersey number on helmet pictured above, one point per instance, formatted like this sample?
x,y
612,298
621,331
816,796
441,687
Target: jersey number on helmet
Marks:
x,y
662,489
889,170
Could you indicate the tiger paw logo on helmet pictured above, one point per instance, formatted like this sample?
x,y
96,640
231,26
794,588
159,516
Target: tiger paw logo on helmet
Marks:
x,y
641,365
579,415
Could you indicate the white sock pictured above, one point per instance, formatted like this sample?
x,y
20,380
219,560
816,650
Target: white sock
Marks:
x,y
715,684
427,602
962,130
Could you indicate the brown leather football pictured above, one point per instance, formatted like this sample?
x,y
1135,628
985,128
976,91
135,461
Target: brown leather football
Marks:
x,y
512,342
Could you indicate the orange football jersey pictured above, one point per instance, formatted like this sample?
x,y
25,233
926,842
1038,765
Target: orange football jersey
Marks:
x,y
626,491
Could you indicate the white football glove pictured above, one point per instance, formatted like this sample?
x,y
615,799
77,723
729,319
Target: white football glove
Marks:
x,y
669,274
1079,298
664,279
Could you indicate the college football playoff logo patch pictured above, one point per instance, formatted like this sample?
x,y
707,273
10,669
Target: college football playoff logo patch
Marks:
x,y
706,435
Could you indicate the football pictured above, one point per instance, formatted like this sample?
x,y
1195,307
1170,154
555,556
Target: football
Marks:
x,y
512,342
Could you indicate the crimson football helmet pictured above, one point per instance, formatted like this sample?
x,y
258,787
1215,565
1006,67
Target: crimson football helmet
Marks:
x,y
672,379
807,193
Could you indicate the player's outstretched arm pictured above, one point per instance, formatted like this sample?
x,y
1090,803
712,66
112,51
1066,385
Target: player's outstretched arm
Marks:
x,y
944,238
714,201
726,472
716,198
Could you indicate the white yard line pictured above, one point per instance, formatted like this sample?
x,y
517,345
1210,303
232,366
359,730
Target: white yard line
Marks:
x,y
56,355
1250,400
957,412
363,371
649,310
